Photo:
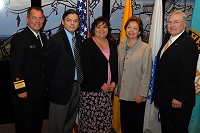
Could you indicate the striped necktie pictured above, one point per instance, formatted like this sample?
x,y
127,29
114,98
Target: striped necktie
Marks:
x,y
77,60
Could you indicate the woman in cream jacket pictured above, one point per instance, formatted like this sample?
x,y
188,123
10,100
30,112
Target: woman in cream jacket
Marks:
x,y
134,69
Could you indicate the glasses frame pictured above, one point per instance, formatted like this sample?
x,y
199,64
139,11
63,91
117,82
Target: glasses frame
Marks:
x,y
174,22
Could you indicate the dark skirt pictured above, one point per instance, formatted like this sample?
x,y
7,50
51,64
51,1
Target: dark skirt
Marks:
x,y
95,111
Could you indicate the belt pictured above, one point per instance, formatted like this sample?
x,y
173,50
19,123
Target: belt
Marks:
x,y
75,80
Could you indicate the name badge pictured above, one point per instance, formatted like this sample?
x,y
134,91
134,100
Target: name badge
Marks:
x,y
19,84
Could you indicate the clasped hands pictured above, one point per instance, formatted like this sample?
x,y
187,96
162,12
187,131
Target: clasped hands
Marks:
x,y
138,98
107,88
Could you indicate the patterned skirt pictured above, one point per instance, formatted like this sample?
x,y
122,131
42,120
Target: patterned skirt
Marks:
x,y
95,111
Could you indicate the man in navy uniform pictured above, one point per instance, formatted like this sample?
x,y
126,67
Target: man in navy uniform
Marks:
x,y
26,66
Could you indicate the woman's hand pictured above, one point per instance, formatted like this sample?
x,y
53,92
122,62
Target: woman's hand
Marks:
x,y
105,87
139,99
116,92
112,86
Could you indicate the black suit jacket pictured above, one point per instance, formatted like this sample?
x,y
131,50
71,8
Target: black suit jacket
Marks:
x,y
26,63
175,73
60,67
95,65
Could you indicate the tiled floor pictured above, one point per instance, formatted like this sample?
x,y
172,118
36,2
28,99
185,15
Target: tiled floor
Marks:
x,y
10,128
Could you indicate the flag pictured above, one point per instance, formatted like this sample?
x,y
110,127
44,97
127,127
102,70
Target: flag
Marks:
x,y
195,34
81,9
88,21
116,106
151,121
18,20
127,14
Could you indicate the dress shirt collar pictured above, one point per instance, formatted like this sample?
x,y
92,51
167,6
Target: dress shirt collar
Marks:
x,y
69,35
175,37
135,45
34,32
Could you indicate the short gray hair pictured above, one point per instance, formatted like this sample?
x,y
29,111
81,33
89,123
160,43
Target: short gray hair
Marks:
x,y
183,15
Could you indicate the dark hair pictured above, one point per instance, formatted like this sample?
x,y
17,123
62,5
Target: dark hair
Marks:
x,y
36,8
137,20
70,11
98,21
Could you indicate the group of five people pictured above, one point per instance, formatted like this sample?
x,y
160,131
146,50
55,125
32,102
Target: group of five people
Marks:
x,y
82,76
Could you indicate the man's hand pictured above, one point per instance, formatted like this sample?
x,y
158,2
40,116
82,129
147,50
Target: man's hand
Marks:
x,y
176,103
23,95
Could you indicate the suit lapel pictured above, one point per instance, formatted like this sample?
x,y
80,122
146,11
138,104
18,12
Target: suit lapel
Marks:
x,y
44,39
67,44
78,41
111,49
171,47
98,50
162,46
178,40
34,39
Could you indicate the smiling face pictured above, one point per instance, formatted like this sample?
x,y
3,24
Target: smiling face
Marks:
x,y
71,22
101,30
175,24
35,20
132,30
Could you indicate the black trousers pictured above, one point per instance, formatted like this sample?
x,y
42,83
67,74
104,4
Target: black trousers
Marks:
x,y
132,116
175,120
29,114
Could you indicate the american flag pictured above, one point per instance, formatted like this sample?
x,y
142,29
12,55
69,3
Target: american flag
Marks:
x,y
81,10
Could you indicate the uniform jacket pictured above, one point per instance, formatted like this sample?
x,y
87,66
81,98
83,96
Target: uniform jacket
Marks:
x,y
26,63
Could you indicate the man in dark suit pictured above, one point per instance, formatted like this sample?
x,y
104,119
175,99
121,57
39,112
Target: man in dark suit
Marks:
x,y
174,91
62,74
26,66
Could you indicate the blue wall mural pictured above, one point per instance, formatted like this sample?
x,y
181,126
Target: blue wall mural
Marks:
x,y
16,9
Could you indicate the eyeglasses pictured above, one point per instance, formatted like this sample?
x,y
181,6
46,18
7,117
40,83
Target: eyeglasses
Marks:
x,y
174,22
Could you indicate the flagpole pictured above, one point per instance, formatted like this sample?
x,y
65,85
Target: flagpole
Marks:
x,y
151,119
116,104
87,13
163,3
